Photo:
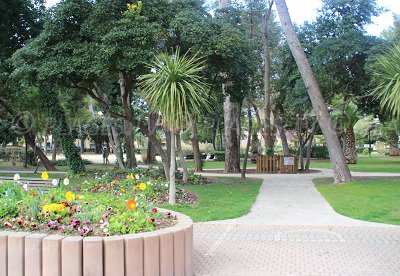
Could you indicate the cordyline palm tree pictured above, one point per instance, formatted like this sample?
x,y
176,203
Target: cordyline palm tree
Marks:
x,y
351,117
386,73
177,91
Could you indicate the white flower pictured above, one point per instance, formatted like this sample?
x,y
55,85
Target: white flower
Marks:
x,y
17,177
54,182
25,187
66,181
137,176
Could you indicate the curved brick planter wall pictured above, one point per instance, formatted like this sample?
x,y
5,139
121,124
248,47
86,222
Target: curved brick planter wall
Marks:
x,y
162,252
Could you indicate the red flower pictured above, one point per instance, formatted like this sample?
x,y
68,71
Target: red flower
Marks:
x,y
155,210
64,203
152,219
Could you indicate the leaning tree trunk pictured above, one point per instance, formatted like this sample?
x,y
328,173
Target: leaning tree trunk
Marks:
x,y
309,146
181,158
114,143
172,188
38,151
246,153
282,134
195,146
341,170
232,153
393,144
350,152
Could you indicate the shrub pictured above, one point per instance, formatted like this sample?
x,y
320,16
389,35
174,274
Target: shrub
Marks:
x,y
64,162
220,155
320,152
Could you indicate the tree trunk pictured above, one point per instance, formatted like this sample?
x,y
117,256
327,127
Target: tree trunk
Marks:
x,y
214,132
232,154
267,83
113,136
54,149
350,152
309,146
143,127
300,138
38,151
246,153
128,131
181,158
195,146
282,135
26,155
61,129
168,144
151,150
393,144
172,188
114,143
341,170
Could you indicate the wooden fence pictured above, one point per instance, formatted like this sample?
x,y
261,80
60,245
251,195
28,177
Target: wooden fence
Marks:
x,y
277,163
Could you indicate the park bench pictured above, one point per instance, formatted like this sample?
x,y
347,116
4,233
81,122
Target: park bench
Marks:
x,y
33,183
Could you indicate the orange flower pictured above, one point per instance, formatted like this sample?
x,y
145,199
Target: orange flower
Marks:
x,y
131,205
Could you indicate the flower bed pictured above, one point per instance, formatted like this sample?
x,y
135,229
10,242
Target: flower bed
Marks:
x,y
166,251
103,226
103,206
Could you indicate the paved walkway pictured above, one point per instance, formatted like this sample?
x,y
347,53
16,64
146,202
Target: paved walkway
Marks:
x,y
292,230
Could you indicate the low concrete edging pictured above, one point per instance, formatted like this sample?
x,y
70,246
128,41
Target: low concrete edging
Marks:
x,y
167,251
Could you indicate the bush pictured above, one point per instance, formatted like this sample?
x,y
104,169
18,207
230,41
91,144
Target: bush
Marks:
x,y
220,155
14,154
365,151
320,152
64,162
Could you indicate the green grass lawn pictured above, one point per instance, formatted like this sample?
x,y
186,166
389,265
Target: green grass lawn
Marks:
x,y
217,165
377,163
370,199
225,198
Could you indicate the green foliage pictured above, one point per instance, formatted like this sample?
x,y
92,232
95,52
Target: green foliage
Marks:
x,y
176,89
10,195
320,152
16,154
8,132
387,78
61,130
219,155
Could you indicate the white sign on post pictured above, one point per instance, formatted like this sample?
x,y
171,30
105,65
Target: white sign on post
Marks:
x,y
288,161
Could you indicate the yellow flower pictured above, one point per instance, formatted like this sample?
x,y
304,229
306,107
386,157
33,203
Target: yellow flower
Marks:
x,y
69,196
142,186
53,207
130,176
45,175
78,196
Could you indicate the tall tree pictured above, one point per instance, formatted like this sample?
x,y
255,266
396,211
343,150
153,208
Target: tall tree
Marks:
x,y
341,170
176,90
